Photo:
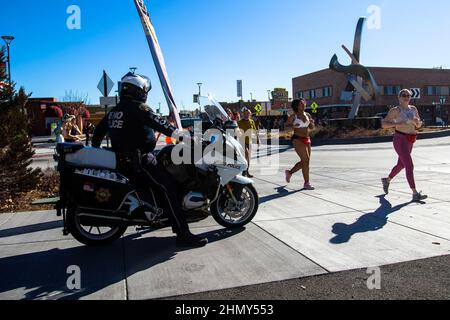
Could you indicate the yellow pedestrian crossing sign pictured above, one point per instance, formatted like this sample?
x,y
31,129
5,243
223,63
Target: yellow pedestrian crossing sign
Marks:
x,y
258,109
314,107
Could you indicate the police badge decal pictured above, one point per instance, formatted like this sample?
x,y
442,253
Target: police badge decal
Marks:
x,y
103,195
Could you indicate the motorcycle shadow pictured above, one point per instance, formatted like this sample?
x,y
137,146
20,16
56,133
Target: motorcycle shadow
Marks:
x,y
45,275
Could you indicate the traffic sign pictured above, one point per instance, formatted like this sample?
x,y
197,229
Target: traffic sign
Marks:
x,y
258,109
416,93
105,85
108,101
314,107
239,88
443,100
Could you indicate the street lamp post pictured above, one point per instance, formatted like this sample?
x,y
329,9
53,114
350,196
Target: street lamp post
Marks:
x,y
199,95
438,110
8,40
442,101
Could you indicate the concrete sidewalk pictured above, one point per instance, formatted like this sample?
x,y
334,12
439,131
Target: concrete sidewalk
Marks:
x,y
344,224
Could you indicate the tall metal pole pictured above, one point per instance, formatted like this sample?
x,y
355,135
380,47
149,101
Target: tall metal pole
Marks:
x,y
8,40
105,88
199,95
9,69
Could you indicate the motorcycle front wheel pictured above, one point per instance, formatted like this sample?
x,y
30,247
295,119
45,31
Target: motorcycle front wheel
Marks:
x,y
230,214
92,235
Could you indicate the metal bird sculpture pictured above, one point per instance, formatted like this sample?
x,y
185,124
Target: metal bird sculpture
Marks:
x,y
357,74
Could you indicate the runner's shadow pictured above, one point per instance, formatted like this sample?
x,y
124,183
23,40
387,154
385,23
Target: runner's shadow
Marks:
x,y
282,192
37,275
370,222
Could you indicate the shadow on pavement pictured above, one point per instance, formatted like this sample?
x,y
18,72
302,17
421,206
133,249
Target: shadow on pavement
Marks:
x,y
282,192
370,222
45,272
30,229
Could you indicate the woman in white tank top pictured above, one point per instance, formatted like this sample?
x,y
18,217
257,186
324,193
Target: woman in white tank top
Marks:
x,y
303,124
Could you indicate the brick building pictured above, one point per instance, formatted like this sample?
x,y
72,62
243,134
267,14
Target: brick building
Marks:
x,y
42,112
325,87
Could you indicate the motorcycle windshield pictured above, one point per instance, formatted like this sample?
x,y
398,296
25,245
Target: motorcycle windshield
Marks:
x,y
213,109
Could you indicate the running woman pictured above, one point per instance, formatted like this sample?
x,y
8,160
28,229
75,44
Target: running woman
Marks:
x,y
303,124
405,119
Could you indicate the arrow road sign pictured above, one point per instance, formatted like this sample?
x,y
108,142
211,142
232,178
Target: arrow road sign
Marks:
x,y
415,93
105,85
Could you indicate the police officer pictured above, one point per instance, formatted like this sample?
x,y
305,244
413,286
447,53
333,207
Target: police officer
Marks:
x,y
131,126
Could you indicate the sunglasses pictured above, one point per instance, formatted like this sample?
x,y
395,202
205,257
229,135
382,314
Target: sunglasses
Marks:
x,y
406,96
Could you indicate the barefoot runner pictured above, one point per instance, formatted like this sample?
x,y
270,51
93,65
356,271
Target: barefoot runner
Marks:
x,y
303,124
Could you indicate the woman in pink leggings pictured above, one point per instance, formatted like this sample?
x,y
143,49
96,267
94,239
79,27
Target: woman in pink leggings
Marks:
x,y
406,121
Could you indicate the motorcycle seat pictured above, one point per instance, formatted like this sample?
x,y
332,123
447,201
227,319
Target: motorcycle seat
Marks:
x,y
93,158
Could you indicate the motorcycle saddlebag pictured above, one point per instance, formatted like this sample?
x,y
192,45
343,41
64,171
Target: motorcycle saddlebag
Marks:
x,y
101,190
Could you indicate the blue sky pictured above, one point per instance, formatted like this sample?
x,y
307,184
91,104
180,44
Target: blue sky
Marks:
x,y
263,42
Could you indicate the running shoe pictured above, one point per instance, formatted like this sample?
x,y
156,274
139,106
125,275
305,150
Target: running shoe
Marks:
x,y
308,187
418,197
386,185
288,176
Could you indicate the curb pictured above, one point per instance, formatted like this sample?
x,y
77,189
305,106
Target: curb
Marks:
x,y
43,155
368,140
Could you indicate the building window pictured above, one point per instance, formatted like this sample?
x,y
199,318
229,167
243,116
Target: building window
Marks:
x,y
327,92
312,94
306,95
301,95
445,91
391,90
433,91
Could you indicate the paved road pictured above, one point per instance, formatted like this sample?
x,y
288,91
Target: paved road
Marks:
x,y
301,244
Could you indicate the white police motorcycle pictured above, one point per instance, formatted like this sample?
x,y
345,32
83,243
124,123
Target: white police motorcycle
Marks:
x,y
98,202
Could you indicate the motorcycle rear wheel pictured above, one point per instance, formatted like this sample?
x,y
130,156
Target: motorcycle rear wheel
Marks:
x,y
84,234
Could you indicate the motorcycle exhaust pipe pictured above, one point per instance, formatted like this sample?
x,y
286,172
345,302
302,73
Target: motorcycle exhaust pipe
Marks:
x,y
108,221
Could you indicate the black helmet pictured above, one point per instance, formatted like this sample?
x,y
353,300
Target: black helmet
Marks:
x,y
135,87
